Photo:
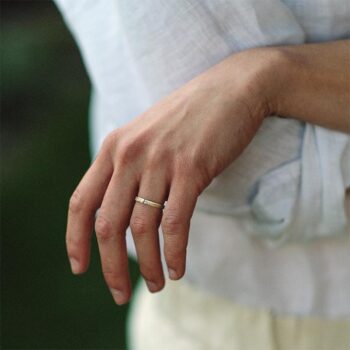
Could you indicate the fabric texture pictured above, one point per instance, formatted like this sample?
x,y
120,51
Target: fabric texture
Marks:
x,y
184,317
274,221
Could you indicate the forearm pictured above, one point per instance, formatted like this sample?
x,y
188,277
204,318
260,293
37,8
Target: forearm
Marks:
x,y
311,83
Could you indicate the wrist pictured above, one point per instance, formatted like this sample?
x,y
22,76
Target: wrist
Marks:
x,y
273,77
265,76
256,77
310,82
282,75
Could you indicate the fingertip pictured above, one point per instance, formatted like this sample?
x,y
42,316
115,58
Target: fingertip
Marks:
x,y
175,275
120,297
155,287
172,274
77,267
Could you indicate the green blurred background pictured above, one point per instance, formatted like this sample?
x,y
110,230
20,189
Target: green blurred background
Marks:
x,y
45,152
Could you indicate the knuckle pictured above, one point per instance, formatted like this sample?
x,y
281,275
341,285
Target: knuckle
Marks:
x,y
172,223
111,277
104,229
139,225
108,145
73,242
113,143
111,138
128,150
76,203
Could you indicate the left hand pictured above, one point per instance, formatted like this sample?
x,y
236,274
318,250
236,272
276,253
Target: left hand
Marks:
x,y
169,153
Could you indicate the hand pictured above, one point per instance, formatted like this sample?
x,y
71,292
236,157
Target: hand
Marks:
x,y
170,152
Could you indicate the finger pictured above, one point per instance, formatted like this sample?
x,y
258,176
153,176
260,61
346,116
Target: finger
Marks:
x,y
176,224
111,223
144,224
81,213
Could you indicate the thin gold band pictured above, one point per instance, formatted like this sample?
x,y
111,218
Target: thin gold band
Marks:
x,y
148,202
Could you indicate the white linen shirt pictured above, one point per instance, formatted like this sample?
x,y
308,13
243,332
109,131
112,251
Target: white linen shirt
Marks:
x,y
271,230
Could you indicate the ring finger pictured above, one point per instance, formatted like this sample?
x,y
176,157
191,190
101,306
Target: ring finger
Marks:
x,y
144,224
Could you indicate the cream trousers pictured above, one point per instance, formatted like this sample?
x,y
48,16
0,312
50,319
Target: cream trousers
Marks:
x,y
182,317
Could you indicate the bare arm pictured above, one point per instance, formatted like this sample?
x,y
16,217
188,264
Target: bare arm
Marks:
x,y
312,84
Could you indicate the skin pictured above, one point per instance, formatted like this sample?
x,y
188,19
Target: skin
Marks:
x,y
172,151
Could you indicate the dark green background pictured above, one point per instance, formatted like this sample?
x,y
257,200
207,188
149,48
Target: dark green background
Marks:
x,y
44,142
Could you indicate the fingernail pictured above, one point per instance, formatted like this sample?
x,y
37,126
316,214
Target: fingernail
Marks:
x,y
152,286
172,274
118,296
74,264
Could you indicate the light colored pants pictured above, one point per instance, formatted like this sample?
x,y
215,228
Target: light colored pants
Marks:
x,y
182,317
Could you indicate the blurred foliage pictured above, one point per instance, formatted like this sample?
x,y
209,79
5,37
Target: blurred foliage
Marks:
x,y
44,108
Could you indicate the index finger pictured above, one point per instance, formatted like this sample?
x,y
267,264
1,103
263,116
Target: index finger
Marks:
x,y
83,205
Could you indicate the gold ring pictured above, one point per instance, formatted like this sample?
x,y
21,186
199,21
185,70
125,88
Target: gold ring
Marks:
x,y
149,202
